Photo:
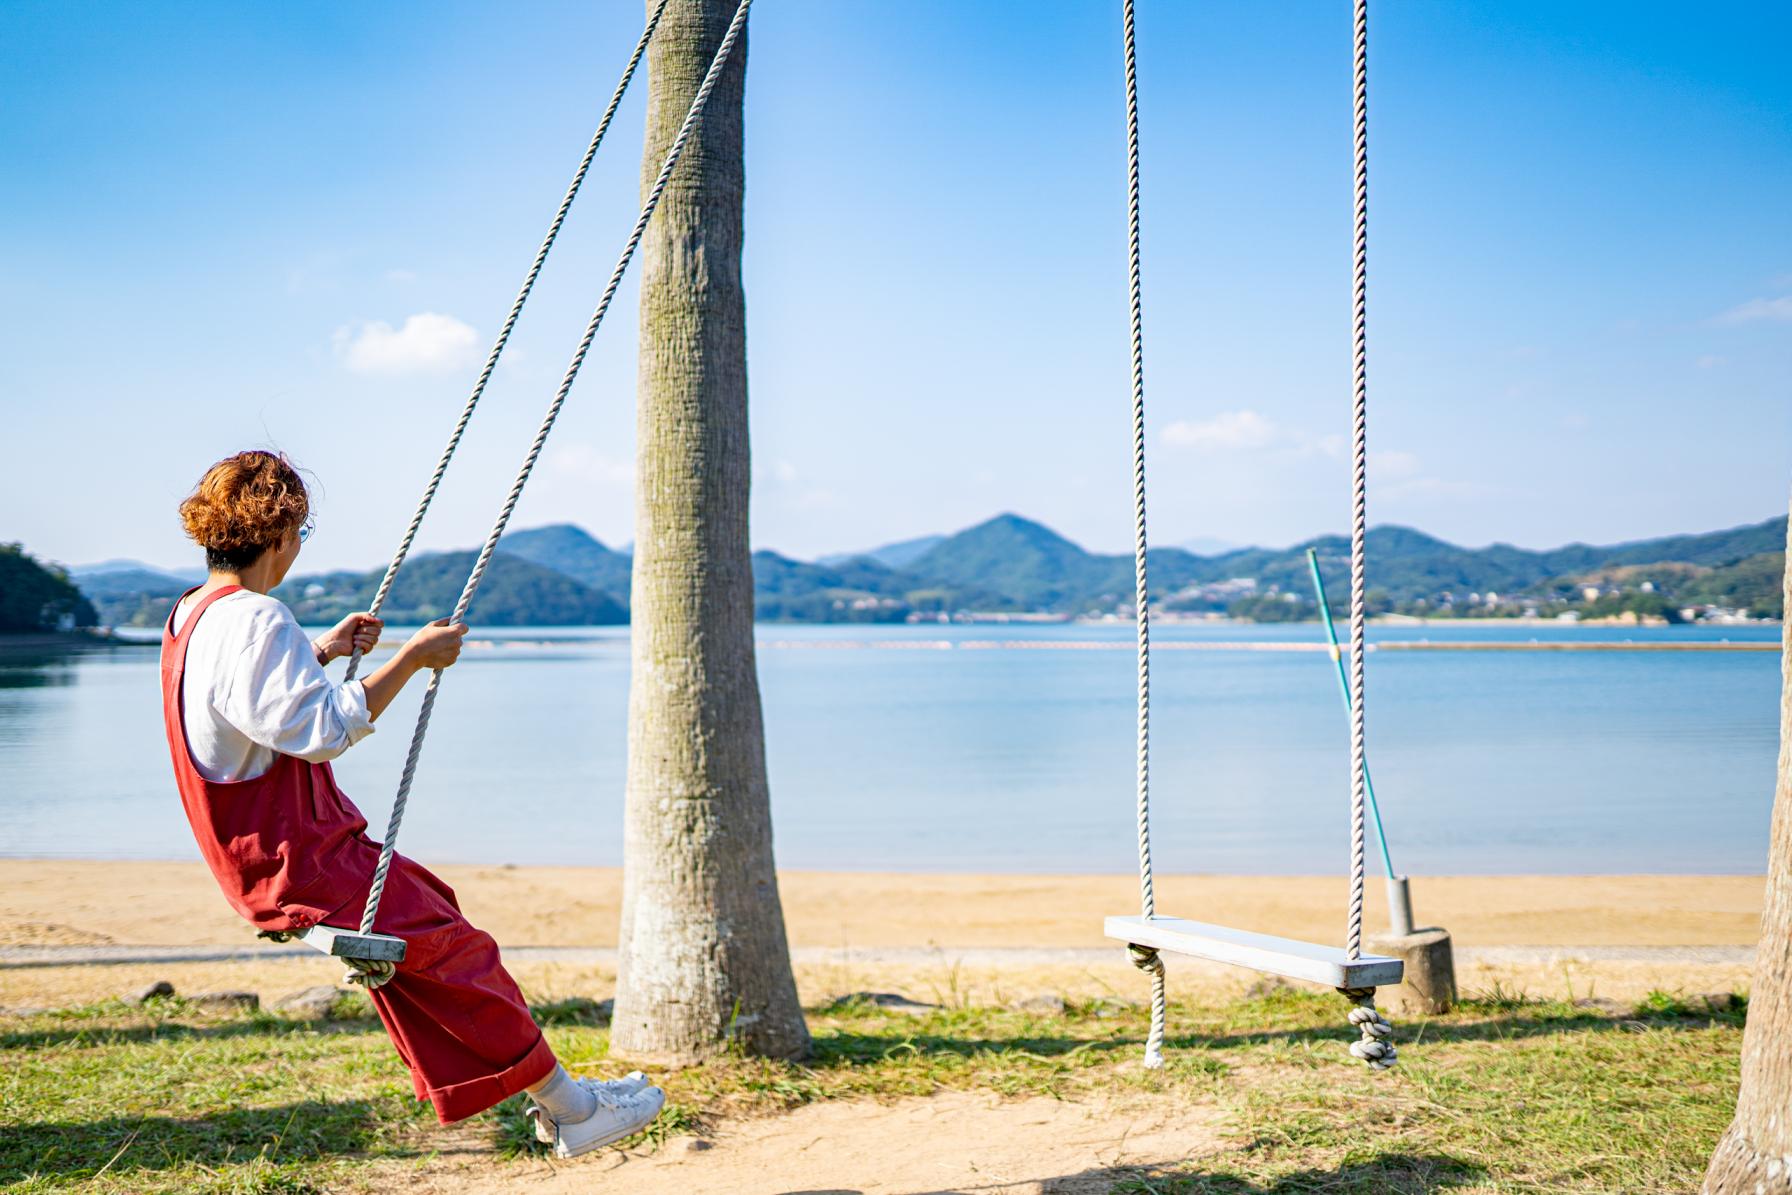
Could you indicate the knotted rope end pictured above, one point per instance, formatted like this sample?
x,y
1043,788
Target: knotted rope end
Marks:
x,y
1376,1045
369,973
1145,958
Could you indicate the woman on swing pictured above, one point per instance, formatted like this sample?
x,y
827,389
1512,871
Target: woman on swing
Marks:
x,y
252,724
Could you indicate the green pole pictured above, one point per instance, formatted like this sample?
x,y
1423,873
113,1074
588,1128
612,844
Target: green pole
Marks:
x,y
1331,634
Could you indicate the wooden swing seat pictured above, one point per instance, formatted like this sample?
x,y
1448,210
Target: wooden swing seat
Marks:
x,y
1329,965
353,944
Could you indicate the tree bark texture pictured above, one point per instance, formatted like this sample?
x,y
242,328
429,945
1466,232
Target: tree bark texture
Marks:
x,y
1755,1154
704,961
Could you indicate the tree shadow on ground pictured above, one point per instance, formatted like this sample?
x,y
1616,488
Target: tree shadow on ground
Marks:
x,y
845,1046
100,1034
173,1023
574,1010
295,1132
1389,1174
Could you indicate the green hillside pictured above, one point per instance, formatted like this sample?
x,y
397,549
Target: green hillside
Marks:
x,y
897,555
139,598
1026,562
856,590
1713,549
38,597
576,553
513,593
1755,584
1038,569
122,582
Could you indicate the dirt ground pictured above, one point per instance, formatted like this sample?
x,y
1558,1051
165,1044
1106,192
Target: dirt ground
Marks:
x,y
955,1141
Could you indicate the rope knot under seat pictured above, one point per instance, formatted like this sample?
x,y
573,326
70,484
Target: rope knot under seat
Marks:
x,y
369,973
1376,1045
1146,959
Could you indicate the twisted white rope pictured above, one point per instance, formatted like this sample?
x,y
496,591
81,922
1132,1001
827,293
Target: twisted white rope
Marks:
x,y
516,310
1359,516
547,425
1376,1046
1143,956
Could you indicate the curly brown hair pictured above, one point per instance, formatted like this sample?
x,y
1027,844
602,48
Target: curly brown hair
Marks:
x,y
244,505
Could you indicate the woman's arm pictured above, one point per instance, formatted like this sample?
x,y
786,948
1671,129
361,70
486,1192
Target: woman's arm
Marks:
x,y
279,696
435,646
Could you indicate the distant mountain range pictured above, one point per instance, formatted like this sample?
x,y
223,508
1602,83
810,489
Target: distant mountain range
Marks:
x,y
560,574
1036,569
896,555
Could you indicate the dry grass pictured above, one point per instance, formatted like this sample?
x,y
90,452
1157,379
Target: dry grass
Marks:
x,y
1507,1094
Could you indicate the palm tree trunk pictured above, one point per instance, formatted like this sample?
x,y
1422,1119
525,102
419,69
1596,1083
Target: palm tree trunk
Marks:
x,y
1755,1155
703,954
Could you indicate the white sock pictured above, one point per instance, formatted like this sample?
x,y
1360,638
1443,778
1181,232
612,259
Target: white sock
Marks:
x,y
563,1098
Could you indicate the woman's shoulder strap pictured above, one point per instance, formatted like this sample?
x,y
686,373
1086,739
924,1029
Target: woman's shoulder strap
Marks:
x,y
169,634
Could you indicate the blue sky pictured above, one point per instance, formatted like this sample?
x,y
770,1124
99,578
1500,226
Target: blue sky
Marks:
x,y
228,225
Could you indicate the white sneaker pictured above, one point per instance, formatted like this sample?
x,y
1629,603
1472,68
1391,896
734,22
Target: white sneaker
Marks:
x,y
543,1124
624,1107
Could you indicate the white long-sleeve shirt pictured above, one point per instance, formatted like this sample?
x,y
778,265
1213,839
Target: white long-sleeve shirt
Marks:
x,y
253,688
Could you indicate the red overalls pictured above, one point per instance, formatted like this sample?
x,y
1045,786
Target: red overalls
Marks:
x,y
289,850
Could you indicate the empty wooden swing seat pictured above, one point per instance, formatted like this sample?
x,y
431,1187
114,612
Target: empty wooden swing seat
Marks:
x,y
1355,975
1329,965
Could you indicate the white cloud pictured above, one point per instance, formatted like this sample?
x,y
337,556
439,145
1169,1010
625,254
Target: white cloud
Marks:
x,y
1710,361
1227,430
1248,431
783,483
429,342
1777,310
1393,464
582,462
1393,472
768,472
401,277
1434,488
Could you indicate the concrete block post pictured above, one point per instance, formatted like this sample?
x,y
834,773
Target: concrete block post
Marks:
x,y
1430,983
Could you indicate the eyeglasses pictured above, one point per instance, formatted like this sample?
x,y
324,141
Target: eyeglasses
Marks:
x,y
306,528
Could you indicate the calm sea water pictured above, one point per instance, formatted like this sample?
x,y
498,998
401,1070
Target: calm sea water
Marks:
x,y
926,748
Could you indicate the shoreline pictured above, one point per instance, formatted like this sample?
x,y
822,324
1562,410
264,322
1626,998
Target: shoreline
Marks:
x,y
132,636
72,902
93,637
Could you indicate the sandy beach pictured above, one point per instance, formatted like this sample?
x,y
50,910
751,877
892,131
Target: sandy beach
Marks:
x,y
944,938
84,902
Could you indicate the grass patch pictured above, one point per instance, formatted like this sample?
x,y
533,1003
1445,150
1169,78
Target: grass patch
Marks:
x,y
1509,1093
